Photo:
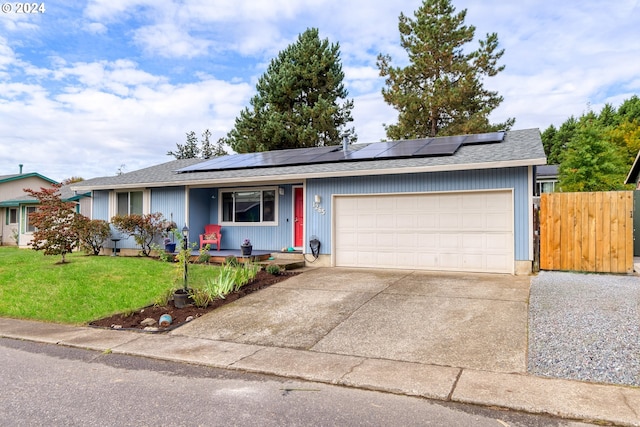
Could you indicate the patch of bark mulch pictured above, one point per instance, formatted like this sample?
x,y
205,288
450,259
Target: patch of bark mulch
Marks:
x,y
132,321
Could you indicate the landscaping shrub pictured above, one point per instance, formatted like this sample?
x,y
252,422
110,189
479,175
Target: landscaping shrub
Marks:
x,y
143,228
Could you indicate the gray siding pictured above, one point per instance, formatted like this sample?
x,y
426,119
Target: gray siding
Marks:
x,y
506,178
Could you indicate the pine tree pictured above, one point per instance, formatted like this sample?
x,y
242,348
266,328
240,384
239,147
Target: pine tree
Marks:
x,y
441,92
298,101
189,150
206,148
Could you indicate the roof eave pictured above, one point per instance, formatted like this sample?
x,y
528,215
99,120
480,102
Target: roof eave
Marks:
x,y
632,177
28,175
325,174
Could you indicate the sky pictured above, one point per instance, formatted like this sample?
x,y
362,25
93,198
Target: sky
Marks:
x,y
91,88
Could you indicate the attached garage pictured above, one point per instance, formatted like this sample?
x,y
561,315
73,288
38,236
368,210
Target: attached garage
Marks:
x,y
456,231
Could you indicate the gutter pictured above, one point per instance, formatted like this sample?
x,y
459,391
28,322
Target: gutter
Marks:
x,y
321,174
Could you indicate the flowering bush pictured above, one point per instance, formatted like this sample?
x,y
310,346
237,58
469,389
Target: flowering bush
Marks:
x,y
246,242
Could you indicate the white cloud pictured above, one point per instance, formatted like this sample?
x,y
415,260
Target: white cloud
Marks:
x,y
151,70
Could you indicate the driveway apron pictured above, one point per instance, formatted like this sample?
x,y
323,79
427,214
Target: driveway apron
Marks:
x,y
476,321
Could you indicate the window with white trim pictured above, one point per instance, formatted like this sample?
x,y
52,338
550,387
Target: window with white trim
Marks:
x,y
13,216
249,206
29,228
129,202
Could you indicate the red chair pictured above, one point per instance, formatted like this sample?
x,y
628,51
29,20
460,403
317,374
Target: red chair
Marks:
x,y
211,236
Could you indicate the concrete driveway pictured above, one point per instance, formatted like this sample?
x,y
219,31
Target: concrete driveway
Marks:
x,y
476,321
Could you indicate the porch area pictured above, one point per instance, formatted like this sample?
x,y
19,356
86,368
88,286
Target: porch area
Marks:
x,y
285,260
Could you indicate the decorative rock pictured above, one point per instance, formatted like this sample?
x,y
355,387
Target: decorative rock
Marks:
x,y
188,319
148,322
165,320
114,326
151,329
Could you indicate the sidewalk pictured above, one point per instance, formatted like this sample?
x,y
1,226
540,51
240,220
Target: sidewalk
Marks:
x,y
520,392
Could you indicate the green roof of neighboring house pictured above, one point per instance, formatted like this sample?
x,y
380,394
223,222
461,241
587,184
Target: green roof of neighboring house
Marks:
x,y
66,194
17,176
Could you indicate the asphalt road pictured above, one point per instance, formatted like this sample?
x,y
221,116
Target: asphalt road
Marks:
x,y
51,385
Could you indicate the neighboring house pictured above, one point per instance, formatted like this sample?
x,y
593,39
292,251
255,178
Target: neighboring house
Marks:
x,y
546,179
14,208
634,174
459,203
16,205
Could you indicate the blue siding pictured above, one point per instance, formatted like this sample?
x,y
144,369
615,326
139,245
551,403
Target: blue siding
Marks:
x,y
203,209
100,208
504,178
170,202
202,212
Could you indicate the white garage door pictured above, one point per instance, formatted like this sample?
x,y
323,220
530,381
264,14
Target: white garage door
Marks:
x,y
462,231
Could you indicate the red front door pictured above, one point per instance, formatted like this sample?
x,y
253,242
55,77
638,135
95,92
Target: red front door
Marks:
x,y
298,217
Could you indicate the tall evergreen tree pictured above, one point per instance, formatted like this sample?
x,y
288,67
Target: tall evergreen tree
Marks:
x,y
189,150
441,92
300,101
207,148
555,141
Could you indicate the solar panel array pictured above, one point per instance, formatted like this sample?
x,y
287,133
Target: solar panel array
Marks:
x,y
428,147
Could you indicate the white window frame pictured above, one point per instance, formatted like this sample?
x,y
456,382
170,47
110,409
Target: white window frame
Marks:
x,y
17,216
27,222
233,223
113,200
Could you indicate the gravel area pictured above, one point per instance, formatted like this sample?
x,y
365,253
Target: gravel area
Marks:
x,y
585,327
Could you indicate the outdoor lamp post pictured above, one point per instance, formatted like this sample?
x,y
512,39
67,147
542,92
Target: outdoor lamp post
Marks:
x,y
185,246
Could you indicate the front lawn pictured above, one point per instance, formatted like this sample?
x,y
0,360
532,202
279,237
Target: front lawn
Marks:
x,y
34,286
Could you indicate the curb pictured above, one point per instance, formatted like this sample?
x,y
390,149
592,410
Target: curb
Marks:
x,y
569,399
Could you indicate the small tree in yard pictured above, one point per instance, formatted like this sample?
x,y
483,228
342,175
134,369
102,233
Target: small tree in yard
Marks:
x,y
92,233
143,228
54,220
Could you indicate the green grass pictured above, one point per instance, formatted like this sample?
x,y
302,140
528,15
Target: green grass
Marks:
x,y
86,288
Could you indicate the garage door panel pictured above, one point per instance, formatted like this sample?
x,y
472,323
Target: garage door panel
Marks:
x,y
444,231
427,221
472,221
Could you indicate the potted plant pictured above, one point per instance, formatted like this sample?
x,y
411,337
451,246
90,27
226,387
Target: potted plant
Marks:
x,y
169,246
246,247
170,229
182,296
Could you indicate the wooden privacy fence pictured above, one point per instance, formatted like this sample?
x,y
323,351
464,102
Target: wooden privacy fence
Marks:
x,y
587,231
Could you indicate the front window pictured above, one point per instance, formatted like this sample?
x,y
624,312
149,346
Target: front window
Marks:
x,y
130,203
249,206
29,228
13,215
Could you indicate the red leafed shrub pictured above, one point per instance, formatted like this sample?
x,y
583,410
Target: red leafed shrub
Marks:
x,y
53,220
92,233
143,228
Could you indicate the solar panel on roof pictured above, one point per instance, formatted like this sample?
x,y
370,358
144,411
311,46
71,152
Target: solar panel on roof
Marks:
x,y
404,148
484,138
438,149
373,149
332,156
427,147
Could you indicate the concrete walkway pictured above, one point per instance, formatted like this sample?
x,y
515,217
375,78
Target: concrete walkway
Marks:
x,y
452,337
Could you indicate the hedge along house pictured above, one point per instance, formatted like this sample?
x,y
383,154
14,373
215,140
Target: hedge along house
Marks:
x,y
459,203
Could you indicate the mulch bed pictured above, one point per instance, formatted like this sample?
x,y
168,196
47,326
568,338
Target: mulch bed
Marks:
x,y
131,321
